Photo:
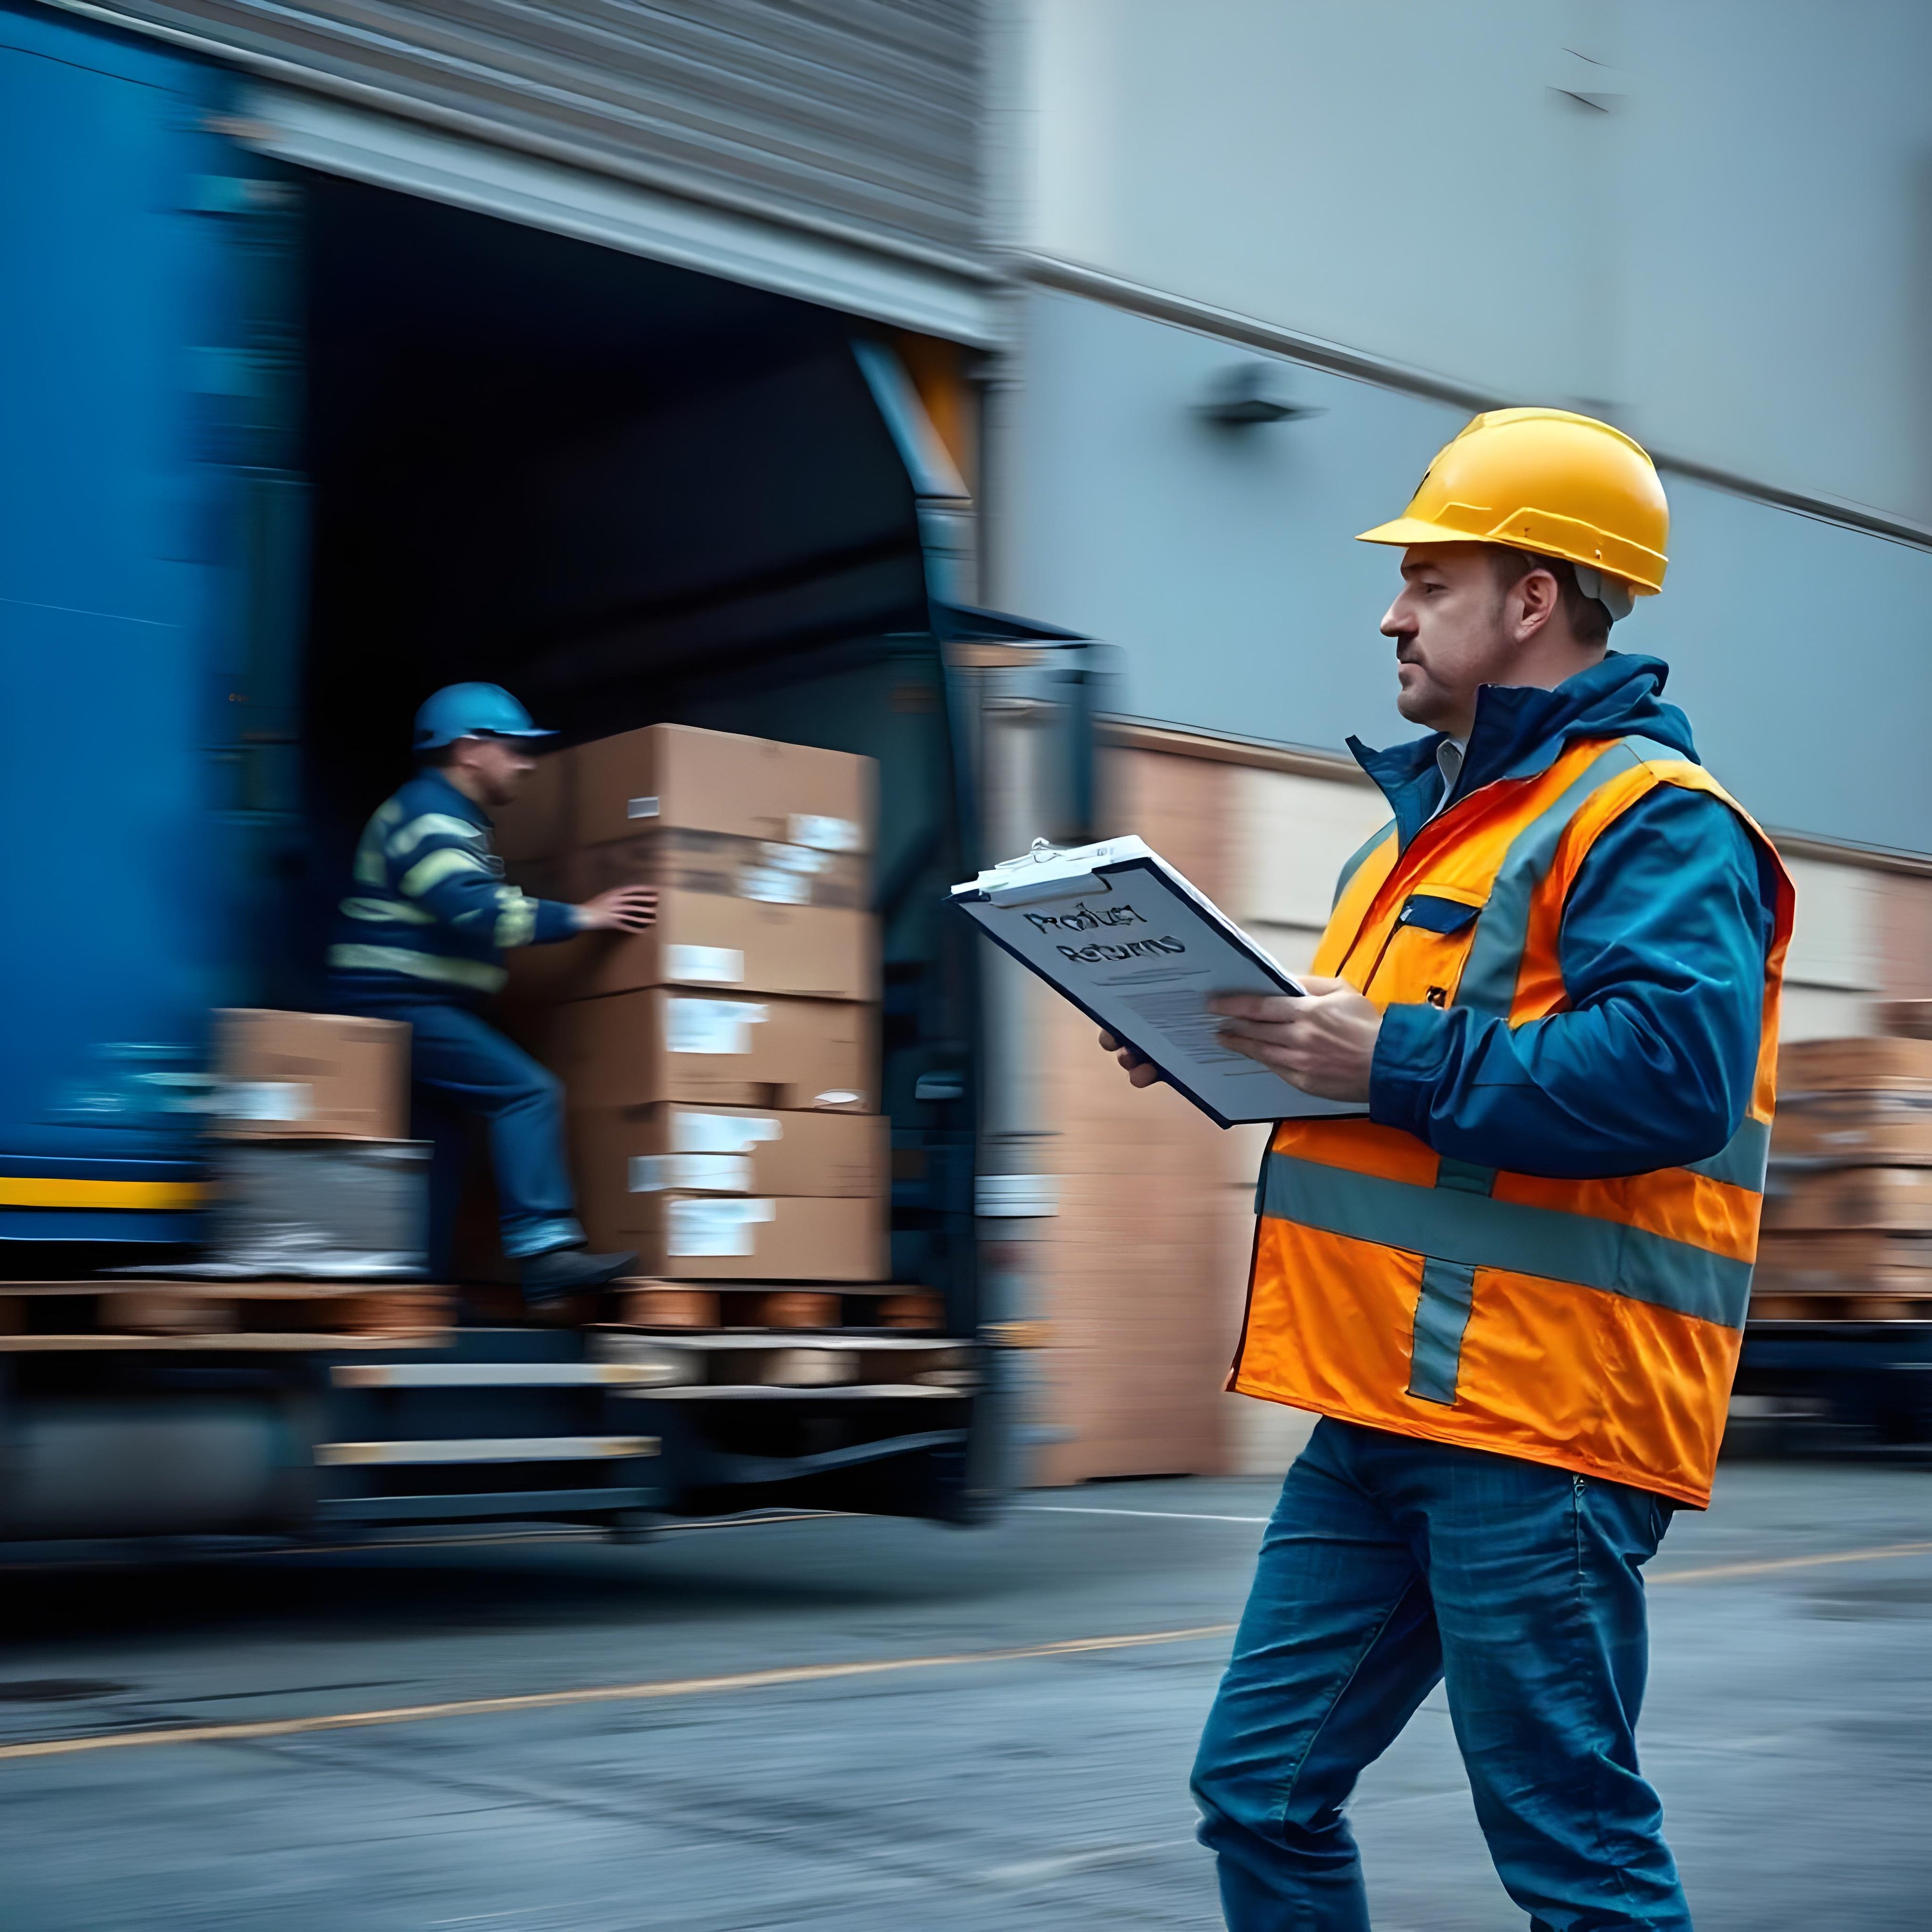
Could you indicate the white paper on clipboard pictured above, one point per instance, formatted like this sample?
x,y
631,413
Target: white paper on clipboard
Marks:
x,y
1117,930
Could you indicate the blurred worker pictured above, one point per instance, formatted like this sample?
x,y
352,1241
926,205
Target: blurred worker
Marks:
x,y
1515,1291
422,938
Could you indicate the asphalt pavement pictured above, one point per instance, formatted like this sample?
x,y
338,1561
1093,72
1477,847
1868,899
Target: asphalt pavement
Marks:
x,y
850,1724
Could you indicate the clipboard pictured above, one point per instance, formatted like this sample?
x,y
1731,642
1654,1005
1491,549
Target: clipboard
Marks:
x,y
1117,931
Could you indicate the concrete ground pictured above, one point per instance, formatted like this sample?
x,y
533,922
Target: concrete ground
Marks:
x,y
1787,1727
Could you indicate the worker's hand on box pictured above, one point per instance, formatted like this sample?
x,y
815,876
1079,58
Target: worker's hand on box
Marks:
x,y
1141,1072
1324,1044
623,909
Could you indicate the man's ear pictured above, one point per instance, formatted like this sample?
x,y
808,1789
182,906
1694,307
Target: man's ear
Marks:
x,y
1537,597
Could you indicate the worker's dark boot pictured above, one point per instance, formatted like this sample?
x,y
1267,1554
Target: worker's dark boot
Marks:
x,y
567,1271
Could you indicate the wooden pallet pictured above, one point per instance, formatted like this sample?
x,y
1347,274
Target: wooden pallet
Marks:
x,y
641,1303
36,1315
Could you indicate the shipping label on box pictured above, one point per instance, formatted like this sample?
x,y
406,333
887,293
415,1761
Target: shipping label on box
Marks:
x,y
727,1237
773,872
633,1049
696,1173
676,1148
709,1225
323,1076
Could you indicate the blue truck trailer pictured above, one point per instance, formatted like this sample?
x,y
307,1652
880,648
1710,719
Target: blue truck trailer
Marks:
x,y
283,451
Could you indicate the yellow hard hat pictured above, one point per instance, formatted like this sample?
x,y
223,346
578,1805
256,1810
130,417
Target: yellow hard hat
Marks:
x,y
1546,481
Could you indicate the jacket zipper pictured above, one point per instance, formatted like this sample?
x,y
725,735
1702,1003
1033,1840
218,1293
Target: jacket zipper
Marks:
x,y
1400,920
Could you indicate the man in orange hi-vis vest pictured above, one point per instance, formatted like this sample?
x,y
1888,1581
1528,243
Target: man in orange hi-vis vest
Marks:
x,y
1514,1292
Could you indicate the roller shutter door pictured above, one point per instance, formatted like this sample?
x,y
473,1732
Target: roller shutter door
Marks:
x,y
857,119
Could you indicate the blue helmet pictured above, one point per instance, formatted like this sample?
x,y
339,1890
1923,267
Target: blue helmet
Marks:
x,y
471,711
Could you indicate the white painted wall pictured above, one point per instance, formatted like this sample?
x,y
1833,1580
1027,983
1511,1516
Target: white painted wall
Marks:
x,y
1712,220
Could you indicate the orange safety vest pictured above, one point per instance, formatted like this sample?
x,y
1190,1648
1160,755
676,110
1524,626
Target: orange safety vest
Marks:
x,y
1591,1325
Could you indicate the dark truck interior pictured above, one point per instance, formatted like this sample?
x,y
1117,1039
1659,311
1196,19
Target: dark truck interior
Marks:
x,y
632,494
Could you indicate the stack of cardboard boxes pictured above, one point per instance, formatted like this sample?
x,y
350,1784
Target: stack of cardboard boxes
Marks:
x,y
1848,1216
313,1176
722,1068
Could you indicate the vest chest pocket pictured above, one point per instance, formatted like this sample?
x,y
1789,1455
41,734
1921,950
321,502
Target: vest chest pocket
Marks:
x,y
1421,959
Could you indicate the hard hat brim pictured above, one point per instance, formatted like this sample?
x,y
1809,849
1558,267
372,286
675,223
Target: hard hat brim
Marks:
x,y
435,741
1407,530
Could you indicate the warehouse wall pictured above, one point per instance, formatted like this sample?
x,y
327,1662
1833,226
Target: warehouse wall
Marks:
x,y
1221,561
1712,219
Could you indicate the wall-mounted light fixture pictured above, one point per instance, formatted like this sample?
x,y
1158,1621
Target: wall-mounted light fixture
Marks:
x,y
1253,392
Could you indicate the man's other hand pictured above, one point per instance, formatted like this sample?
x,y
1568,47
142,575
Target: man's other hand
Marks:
x,y
623,909
1140,1072
1324,1044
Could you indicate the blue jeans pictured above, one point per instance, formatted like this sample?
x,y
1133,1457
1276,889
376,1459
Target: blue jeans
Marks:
x,y
460,1065
1391,1565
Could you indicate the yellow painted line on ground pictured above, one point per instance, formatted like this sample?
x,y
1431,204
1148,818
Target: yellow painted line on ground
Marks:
x,y
601,1693
22,1191
1712,1572
803,1673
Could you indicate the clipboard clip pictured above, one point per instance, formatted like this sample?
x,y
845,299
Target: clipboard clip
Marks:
x,y
1018,889
1024,892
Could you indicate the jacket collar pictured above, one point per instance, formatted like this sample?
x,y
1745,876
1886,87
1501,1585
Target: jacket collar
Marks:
x,y
440,795
1521,730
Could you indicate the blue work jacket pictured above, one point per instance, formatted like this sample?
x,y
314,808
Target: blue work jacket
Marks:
x,y
430,916
1663,949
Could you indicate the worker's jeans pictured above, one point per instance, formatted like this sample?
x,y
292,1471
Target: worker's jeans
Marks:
x,y
1391,1565
460,1064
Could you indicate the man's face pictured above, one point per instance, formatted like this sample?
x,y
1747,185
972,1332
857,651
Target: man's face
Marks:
x,y
500,766
1449,625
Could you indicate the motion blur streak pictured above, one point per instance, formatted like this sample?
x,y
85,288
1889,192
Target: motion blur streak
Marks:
x,y
602,1694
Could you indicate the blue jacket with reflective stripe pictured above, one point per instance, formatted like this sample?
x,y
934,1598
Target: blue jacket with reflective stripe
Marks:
x,y
430,916
1663,950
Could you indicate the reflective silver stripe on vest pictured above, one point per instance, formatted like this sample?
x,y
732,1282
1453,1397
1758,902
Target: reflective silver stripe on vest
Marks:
x,y
1441,1314
472,972
1450,1224
1488,985
1357,858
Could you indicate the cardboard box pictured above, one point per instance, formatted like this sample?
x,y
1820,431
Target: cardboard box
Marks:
x,y
1876,1129
770,871
1908,1019
676,775
1898,1198
1855,1066
311,1076
791,1056
1858,1262
745,1237
537,826
811,952
676,1147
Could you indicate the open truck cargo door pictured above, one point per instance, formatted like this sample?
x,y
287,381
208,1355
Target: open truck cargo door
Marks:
x,y
635,496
